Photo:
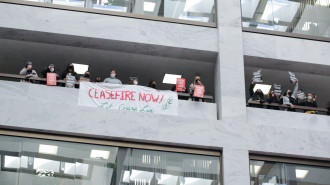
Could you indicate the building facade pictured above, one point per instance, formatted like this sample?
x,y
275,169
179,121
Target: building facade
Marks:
x,y
224,142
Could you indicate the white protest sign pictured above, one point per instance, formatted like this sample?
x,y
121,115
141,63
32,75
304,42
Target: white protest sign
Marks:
x,y
128,98
292,76
257,76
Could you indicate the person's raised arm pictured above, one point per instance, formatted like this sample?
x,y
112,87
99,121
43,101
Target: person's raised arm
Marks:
x,y
295,91
23,71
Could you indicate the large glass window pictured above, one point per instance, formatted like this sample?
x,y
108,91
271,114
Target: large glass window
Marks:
x,y
192,10
27,161
276,173
309,17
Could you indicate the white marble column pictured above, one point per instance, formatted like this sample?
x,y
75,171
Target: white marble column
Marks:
x,y
235,167
229,72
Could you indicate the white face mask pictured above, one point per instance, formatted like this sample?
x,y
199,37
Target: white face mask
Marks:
x,y
112,75
309,97
29,66
135,82
51,69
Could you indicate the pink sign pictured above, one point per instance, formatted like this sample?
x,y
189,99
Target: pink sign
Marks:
x,y
180,84
199,91
51,78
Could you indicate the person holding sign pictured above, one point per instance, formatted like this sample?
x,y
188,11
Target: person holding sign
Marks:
x,y
70,76
113,78
49,69
289,97
196,85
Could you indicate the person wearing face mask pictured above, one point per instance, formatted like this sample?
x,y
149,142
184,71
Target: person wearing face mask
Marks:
x,y
49,69
192,87
310,102
133,81
152,84
69,76
97,80
85,77
289,97
28,72
113,78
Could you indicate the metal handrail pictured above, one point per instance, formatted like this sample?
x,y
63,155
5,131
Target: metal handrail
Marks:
x,y
299,107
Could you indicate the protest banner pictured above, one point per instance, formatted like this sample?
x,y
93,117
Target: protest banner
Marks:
x,y
257,76
292,76
199,91
51,78
128,98
301,95
180,84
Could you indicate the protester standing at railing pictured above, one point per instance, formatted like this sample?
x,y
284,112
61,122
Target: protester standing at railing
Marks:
x,y
97,80
152,84
113,78
49,69
272,98
289,98
310,102
192,87
133,81
258,95
28,72
70,76
85,77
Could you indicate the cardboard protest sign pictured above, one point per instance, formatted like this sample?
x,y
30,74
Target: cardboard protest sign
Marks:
x,y
180,84
128,98
51,78
257,76
292,76
301,95
277,89
199,91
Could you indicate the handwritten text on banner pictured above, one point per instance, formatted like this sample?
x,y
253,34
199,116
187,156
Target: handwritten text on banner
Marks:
x,y
128,97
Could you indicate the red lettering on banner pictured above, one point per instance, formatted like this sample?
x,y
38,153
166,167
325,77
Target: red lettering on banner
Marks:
x,y
154,99
162,99
142,98
127,95
117,94
146,97
95,93
89,92
109,93
132,95
122,95
102,94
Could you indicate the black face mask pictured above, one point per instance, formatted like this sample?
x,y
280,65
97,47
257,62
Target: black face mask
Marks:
x,y
86,75
290,93
153,86
98,80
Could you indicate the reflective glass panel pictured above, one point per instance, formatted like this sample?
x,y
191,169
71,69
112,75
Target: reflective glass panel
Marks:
x,y
275,173
309,17
26,161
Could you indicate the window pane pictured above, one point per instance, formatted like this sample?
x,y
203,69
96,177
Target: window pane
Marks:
x,y
302,17
273,173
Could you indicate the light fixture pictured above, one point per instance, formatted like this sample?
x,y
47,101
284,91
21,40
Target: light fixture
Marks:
x,y
100,154
301,174
80,68
170,78
149,6
264,88
48,149
12,162
46,164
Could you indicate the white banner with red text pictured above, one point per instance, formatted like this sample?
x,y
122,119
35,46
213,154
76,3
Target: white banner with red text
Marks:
x,y
128,98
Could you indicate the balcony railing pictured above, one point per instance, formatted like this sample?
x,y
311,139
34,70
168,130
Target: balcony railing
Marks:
x,y
206,98
297,108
